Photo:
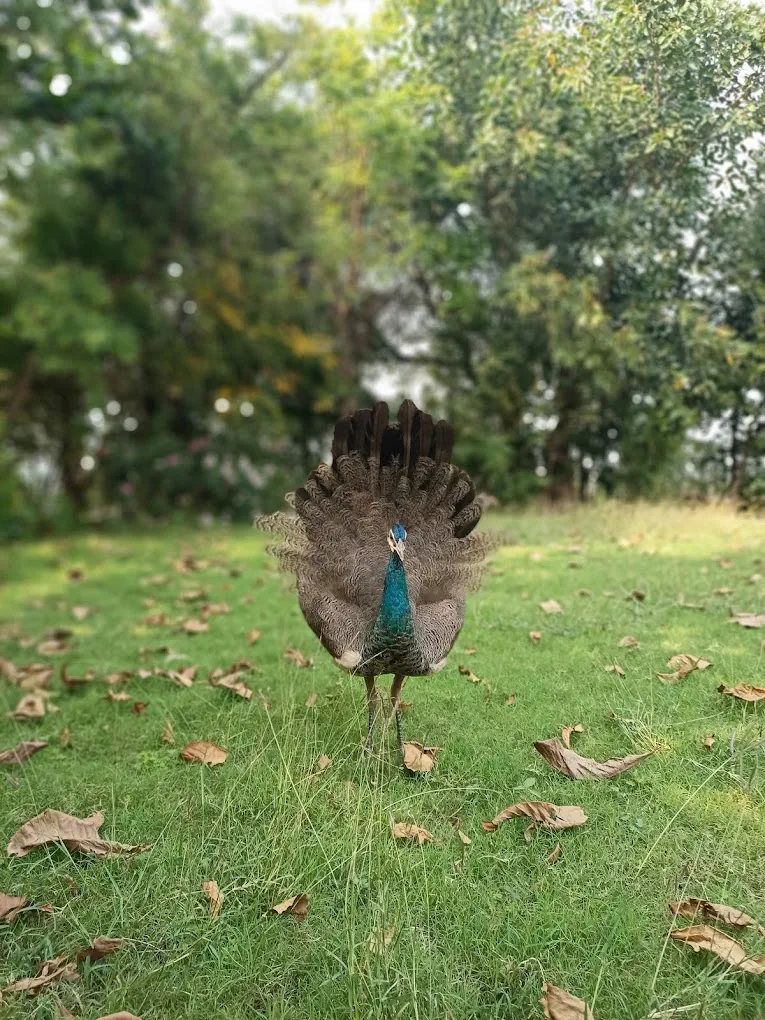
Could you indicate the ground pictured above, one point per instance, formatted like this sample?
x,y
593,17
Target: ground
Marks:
x,y
394,929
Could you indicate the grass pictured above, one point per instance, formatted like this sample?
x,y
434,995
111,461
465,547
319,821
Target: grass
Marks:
x,y
476,929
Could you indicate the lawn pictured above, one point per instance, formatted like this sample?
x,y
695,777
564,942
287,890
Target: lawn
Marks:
x,y
439,931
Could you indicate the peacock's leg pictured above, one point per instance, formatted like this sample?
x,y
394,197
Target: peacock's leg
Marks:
x,y
371,705
395,697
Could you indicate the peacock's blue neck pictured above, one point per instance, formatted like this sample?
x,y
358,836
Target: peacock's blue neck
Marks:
x,y
395,616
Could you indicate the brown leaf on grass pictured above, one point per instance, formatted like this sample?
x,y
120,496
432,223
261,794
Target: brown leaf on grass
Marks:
x,y
723,591
118,696
101,947
297,906
566,732
10,907
628,641
122,1015
406,830
465,840
614,668
551,606
193,595
562,1005
65,737
725,564
204,751
555,855
139,707
584,593
31,706
73,683
575,766
464,671
155,620
750,620
167,733
295,656
118,676
712,912
75,833
253,636
195,627
744,692
535,636
418,758
211,889
181,677
709,741
635,596
81,613
22,752
53,646
703,936
311,700
214,609
552,817
232,683
155,579
8,670
323,763
57,969
34,676
511,699
683,664
469,651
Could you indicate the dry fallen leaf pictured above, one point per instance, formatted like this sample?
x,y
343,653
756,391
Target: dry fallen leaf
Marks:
x,y
122,1015
31,706
561,1005
635,596
118,696
311,700
81,612
418,758
204,751
297,657
53,646
75,833
232,683
551,606
575,766
57,969
535,636
214,609
155,620
464,671
628,641
323,763
702,936
511,699
102,946
709,741
555,855
195,627
712,912
552,817
253,636
406,830
683,664
615,669
725,564
566,732
584,593
297,906
750,620
10,906
214,895
73,683
139,707
34,677
470,651
180,677
723,591
167,733
744,692
465,840
22,752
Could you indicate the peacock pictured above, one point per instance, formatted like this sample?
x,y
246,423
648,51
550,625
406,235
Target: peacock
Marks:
x,y
383,549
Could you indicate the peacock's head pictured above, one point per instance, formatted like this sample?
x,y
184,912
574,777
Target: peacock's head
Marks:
x,y
397,540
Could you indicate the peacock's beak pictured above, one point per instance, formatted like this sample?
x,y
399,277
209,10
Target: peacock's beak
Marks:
x,y
396,545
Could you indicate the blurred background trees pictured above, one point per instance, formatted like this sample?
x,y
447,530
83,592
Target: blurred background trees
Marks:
x,y
544,217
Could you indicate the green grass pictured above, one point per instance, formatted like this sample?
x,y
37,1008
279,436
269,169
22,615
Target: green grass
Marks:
x,y
477,929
